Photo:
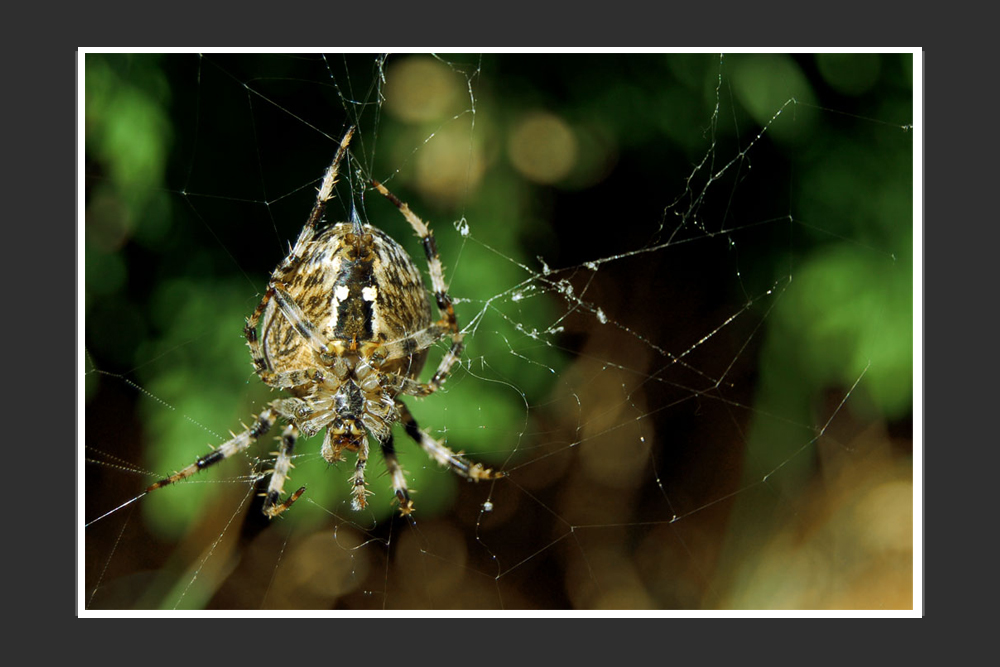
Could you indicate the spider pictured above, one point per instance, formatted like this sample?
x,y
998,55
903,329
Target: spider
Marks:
x,y
345,327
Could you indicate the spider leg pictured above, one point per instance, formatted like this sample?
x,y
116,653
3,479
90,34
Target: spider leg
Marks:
x,y
398,476
448,324
293,313
280,473
295,378
237,444
441,453
420,389
430,249
276,289
359,486
324,195
417,342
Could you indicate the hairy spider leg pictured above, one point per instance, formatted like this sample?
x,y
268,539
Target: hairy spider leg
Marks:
x,y
279,474
448,324
237,444
324,195
359,487
276,287
293,313
440,452
397,475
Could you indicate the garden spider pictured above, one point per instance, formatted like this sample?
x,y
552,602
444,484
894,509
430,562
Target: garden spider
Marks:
x,y
344,327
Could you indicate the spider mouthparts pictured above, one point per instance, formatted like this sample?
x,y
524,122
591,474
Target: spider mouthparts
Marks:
x,y
343,433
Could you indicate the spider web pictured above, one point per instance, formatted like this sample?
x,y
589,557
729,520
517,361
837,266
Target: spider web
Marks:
x,y
686,286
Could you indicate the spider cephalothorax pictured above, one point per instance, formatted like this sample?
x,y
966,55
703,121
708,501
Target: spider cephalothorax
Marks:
x,y
344,327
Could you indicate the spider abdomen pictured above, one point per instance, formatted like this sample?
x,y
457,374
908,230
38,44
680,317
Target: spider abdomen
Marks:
x,y
353,289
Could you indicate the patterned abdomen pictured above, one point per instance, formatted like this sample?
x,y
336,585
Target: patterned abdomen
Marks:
x,y
353,289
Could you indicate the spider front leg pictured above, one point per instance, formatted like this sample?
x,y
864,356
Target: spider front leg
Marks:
x,y
448,324
277,291
325,193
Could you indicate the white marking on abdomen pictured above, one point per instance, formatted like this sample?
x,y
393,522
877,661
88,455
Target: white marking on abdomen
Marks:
x,y
340,292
